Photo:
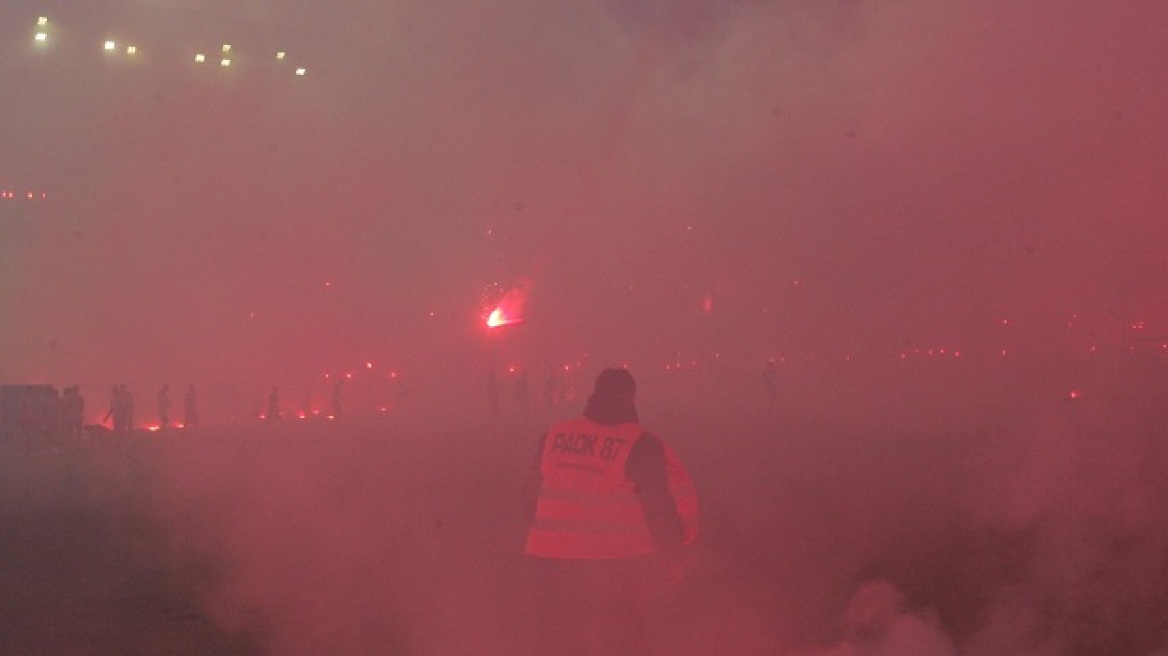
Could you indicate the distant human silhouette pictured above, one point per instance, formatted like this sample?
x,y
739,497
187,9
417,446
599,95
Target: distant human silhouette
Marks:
x,y
338,388
522,394
127,409
273,412
550,384
73,412
190,408
770,380
121,409
164,407
115,409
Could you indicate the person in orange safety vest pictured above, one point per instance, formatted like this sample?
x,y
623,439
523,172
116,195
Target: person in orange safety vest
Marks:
x,y
610,509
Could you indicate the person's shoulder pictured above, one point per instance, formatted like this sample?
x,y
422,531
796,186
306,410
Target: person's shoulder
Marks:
x,y
650,437
648,444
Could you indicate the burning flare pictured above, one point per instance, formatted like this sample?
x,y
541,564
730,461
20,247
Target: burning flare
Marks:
x,y
509,311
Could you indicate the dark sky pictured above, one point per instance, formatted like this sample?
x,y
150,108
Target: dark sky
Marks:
x,y
833,176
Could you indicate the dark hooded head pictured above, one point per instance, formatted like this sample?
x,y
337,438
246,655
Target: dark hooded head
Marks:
x,y
613,398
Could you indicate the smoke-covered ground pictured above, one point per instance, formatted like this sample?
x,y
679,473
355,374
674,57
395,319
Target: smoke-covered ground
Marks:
x,y
937,509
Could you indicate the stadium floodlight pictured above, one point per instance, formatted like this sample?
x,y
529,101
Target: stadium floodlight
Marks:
x,y
131,50
41,37
200,58
226,47
281,54
110,45
225,63
42,20
301,71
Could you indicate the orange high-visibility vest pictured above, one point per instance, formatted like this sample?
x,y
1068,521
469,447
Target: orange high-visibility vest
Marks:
x,y
587,508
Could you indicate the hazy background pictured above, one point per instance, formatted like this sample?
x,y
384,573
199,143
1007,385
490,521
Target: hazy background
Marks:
x,y
833,177
943,220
